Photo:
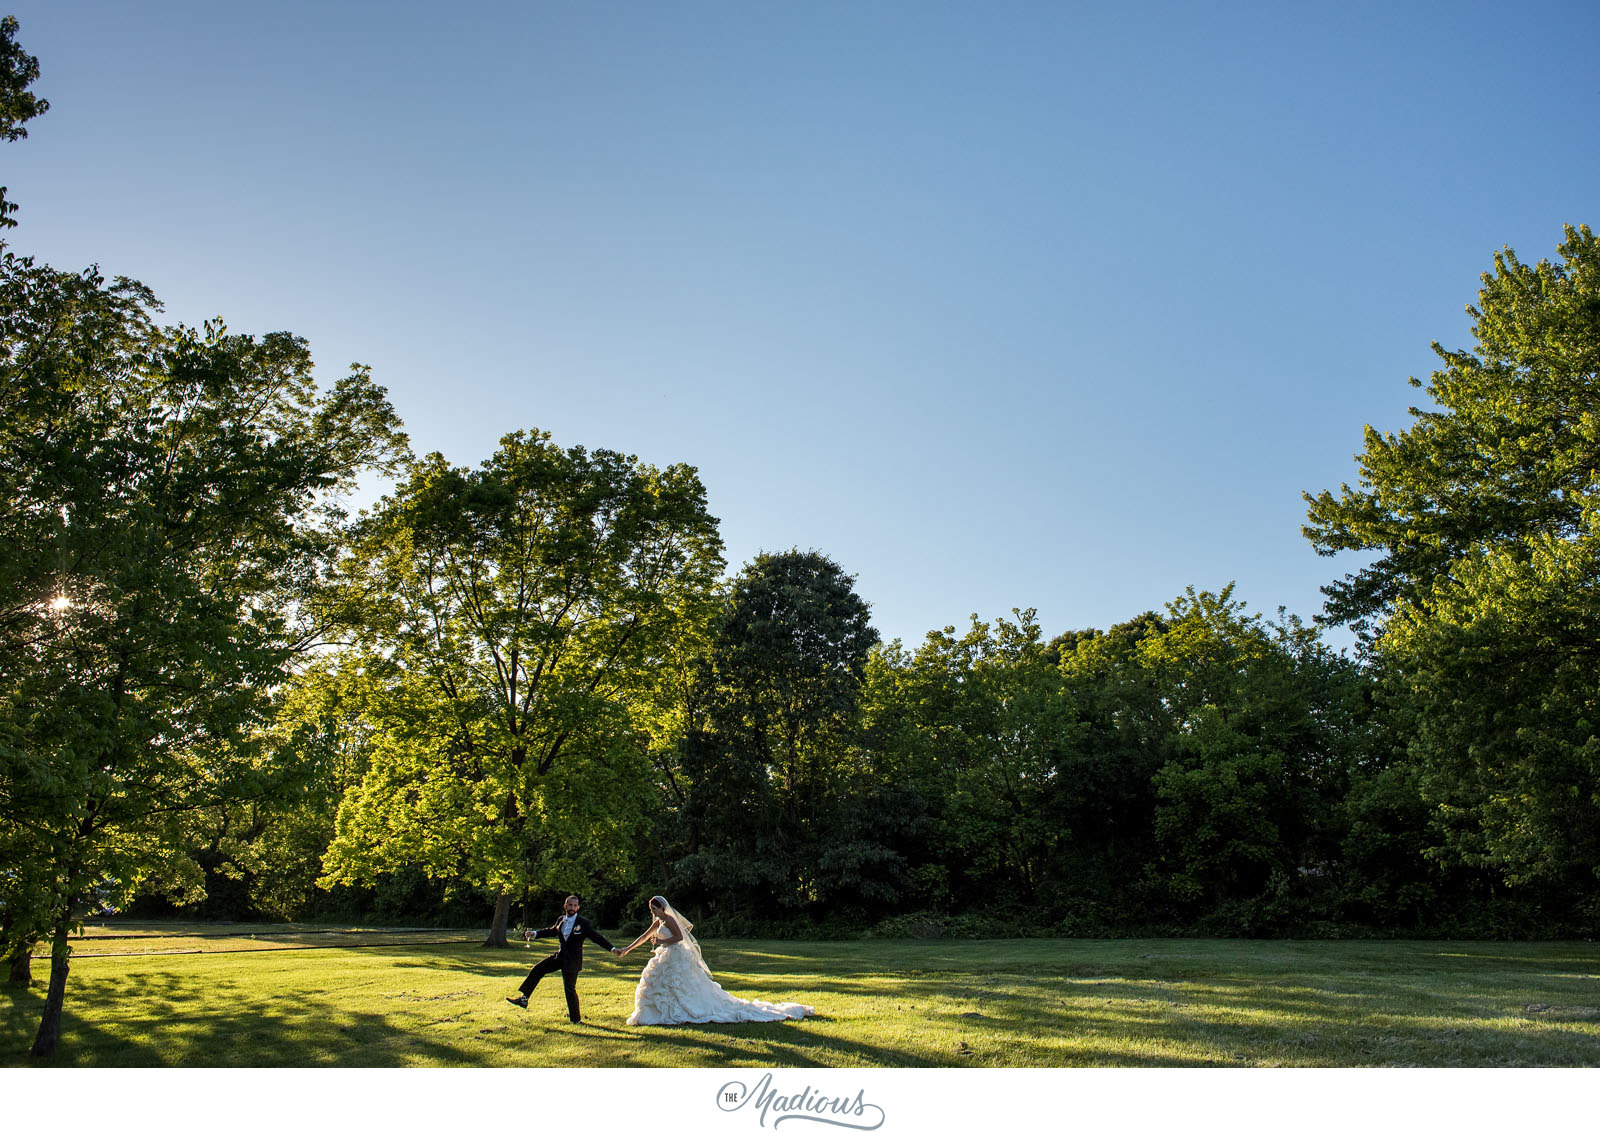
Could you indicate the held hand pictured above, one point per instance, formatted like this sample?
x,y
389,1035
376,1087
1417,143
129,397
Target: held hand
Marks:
x,y
618,951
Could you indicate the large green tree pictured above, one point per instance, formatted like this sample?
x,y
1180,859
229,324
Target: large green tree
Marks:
x,y
1500,669
167,501
1508,452
785,669
53,325
1482,603
508,628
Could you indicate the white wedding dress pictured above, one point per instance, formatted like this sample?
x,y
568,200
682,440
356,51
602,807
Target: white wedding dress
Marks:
x,y
676,987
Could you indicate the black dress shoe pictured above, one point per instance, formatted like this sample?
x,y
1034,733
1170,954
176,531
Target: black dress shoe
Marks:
x,y
519,1000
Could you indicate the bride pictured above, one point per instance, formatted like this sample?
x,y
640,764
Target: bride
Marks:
x,y
676,986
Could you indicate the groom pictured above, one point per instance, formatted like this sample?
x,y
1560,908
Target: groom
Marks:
x,y
572,930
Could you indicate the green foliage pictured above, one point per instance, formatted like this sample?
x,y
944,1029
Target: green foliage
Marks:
x,y
770,815
1500,668
1108,776
314,733
166,512
1262,717
1482,607
18,71
1383,850
1510,451
788,660
979,727
262,855
1215,747
508,631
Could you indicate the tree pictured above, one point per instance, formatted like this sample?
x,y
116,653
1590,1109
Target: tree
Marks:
x,y
1109,774
52,325
506,629
787,665
790,656
323,747
679,706
1482,605
1264,718
18,71
260,855
167,502
1501,667
1216,745
980,726
1510,452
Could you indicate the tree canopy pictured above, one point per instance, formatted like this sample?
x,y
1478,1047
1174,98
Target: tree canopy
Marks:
x,y
1508,454
784,679
168,507
506,629
1484,606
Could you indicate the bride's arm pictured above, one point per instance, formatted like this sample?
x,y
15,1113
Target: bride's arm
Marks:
x,y
643,936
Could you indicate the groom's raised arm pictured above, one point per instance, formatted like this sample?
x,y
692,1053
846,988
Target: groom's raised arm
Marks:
x,y
538,932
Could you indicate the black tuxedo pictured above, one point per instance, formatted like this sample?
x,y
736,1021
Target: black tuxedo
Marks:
x,y
569,958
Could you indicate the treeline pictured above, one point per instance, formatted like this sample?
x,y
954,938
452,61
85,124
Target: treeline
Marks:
x,y
221,692
543,686
1203,770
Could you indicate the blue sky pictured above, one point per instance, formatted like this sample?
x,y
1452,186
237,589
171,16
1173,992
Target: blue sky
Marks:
x,y
1004,304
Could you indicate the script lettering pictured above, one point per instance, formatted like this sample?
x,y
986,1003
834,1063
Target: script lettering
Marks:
x,y
805,1104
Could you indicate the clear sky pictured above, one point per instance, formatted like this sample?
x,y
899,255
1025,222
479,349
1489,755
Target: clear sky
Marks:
x,y
999,304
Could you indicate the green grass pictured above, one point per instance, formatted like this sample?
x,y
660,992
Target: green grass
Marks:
x,y
147,1002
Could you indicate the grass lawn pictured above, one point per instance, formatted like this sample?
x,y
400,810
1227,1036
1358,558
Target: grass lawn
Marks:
x,y
142,996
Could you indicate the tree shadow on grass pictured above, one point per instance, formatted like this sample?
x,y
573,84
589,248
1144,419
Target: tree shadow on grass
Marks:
x,y
1443,1010
19,1021
116,1016
177,1023
445,1007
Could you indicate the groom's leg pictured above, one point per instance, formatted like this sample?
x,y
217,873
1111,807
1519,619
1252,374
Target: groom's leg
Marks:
x,y
540,970
569,984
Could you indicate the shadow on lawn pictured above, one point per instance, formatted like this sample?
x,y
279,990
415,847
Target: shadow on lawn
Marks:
x,y
217,1024
1453,1014
789,1044
20,1021
1113,1007
173,1019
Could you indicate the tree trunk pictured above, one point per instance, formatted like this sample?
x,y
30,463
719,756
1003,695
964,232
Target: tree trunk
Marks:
x,y
17,953
502,916
44,1043
21,968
